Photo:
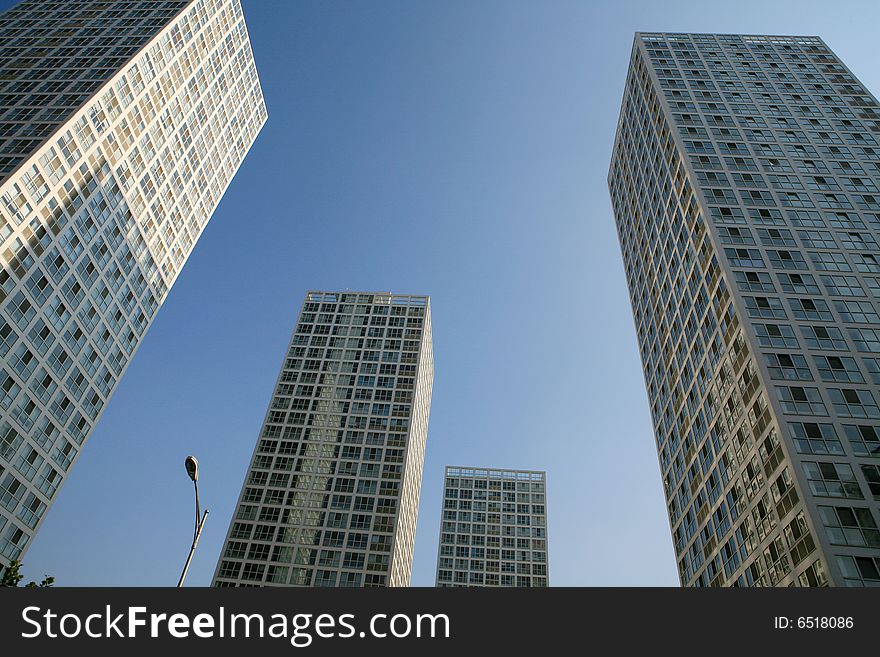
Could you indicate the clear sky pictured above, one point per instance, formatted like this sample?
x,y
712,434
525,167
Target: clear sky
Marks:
x,y
457,148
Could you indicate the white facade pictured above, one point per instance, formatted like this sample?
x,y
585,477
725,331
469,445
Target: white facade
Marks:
x,y
331,496
120,136
744,182
493,531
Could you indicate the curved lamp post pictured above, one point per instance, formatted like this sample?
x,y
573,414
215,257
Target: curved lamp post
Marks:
x,y
192,469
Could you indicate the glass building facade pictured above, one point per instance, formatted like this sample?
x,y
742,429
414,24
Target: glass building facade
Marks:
x,y
744,181
493,531
331,495
121,125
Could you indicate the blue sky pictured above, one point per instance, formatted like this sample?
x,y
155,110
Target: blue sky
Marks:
x,y
458,149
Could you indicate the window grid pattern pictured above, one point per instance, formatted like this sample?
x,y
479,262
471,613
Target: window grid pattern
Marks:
x,y
97,222
332,492
55,55
493,530
744,182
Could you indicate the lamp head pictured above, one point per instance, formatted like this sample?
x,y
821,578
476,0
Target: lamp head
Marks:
x,y
192,467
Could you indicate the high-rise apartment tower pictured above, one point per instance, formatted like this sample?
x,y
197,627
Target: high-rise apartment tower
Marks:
x,y
121,125
744,182
493,531
331,495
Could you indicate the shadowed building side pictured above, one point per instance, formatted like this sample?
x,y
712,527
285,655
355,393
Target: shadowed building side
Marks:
x,y
744,182
121,125
331,496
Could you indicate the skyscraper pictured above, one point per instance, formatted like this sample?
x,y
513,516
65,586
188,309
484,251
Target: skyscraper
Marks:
x,y
121,125
493,531
332,492
744,182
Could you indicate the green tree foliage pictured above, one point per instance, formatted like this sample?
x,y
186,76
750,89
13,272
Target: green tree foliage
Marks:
x,y
12,577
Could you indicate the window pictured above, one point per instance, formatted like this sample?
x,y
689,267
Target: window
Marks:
x,y
817,239
39,287
805,218
791,367
41,337
785,259
756,197
857,312
60,361
57,313
866,263
776,335
9,390
11,491
867,340
859,571
815,310
23,361
8,337
872,476
21,310
829,261
838,368
872,365
259,552
858,241
842,286
350,579
754,281
747,179
253,571
800,401
73,292
735,235
235,550
864,440
325,578
852,526
798,283
727,215
849,402
43,386
26,412
823,337
766,217
764,307
776,237
832,480
844,220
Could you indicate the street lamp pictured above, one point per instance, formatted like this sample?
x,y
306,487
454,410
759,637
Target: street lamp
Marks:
x,y
192,469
